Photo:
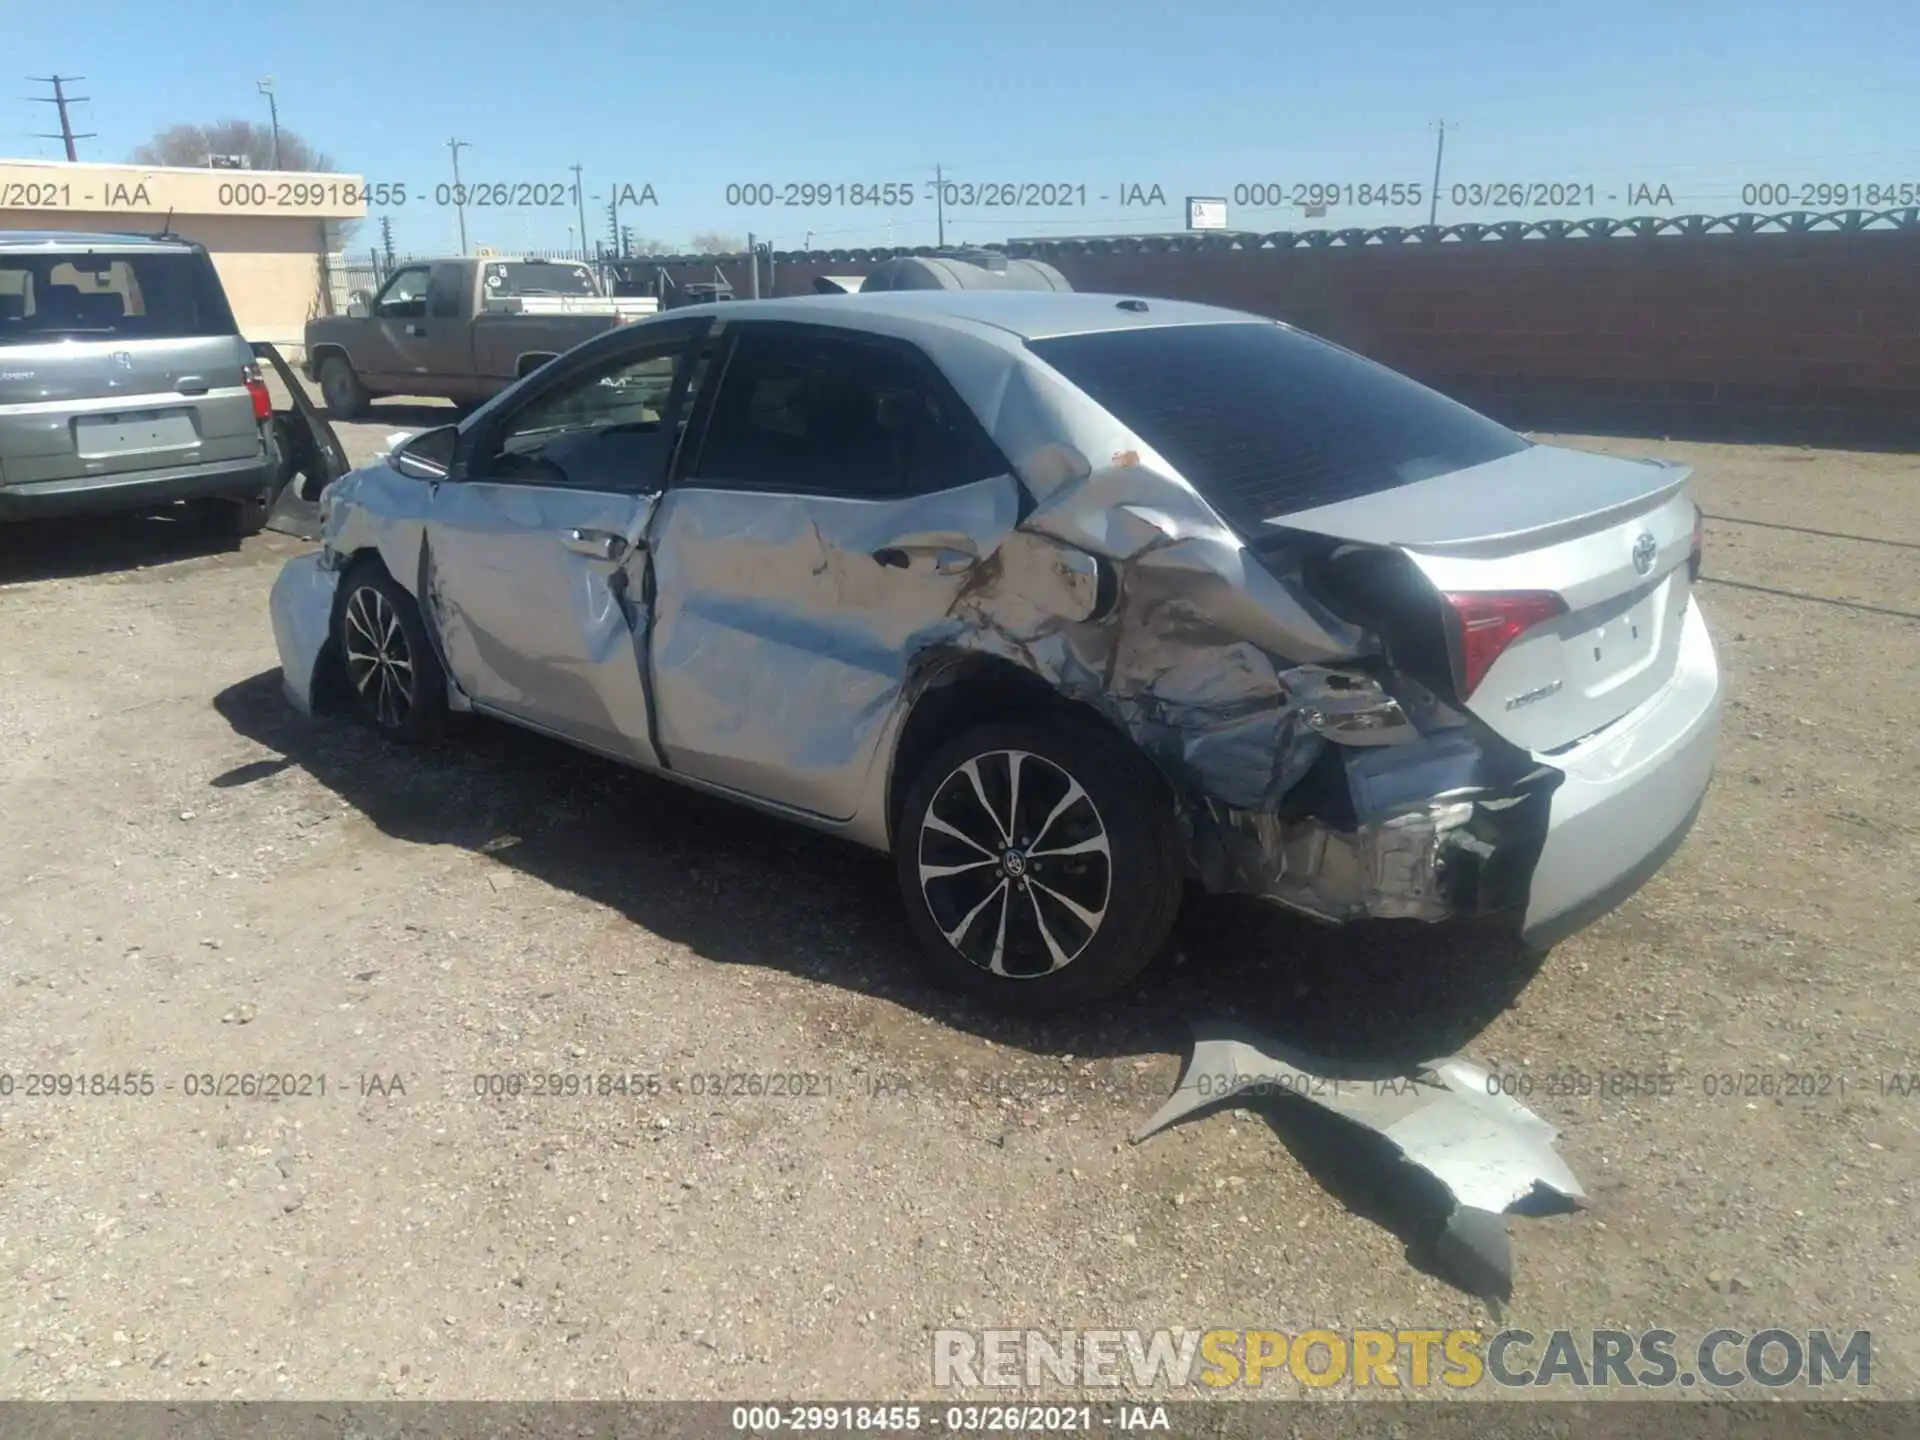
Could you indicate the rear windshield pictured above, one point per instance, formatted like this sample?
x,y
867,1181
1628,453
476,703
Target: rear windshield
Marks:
x,y
110,297
1265,421
519,277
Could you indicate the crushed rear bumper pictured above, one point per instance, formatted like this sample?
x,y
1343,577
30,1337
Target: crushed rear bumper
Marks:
x,y
1460,825
1627,800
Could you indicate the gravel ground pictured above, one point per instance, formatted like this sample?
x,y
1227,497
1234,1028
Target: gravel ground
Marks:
x,y
196,882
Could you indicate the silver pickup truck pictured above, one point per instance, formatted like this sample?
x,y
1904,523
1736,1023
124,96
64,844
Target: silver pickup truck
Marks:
x,y
462,330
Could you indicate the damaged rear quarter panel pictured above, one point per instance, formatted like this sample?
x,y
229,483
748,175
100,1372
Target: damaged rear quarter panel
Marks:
x,y
1217,666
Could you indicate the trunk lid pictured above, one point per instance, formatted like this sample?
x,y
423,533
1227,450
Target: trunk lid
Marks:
x,y
1609,537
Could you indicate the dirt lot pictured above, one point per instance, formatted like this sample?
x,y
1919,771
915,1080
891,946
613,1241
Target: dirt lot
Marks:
x,y
196,882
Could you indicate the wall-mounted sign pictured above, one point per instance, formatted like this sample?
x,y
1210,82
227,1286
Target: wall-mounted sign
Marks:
x,y
1206,212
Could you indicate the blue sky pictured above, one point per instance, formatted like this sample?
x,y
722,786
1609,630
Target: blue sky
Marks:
x,y
1197,97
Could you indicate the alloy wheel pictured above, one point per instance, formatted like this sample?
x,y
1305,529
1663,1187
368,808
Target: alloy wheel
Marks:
x,y
379,662
1015,864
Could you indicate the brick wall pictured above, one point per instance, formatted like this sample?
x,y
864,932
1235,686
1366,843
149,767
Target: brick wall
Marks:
x,y
1764,336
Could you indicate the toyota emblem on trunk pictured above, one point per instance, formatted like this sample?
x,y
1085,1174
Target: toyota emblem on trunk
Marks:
x,y
122,359
1644,549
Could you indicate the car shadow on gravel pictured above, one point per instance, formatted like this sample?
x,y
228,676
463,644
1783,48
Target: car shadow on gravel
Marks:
x,y
737,887
63,549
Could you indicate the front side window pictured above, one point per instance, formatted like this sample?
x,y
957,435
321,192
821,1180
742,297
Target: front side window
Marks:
x,y
603,430
405,296
810,410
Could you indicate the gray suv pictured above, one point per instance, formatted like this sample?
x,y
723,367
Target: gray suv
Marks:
x,y
125,383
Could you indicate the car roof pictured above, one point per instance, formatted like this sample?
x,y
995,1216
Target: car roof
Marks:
x,y
18,240
1027,314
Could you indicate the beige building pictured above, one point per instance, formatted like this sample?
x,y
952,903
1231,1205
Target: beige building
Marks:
x,y
266,230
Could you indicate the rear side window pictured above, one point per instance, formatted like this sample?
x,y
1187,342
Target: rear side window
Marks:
x,y
1265,421
129,297
812,410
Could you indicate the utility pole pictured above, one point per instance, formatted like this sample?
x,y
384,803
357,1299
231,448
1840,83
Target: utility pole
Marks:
x,y
753,260
386,239
580,200
940,202
273,109
61,99
456,145
613,222
1439,152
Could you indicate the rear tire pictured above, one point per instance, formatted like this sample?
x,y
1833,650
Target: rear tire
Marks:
x,y
391,672
346,397
1071,900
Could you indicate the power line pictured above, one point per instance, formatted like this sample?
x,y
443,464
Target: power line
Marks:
x,y
61,99
1439,153
455,146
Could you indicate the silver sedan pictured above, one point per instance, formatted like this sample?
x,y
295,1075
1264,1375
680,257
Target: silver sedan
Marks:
x,y
1064,600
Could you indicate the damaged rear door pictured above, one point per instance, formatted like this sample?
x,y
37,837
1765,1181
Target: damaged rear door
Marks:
x,y
537,556
841,499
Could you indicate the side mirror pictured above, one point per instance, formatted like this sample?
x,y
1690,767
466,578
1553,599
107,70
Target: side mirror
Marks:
x,y
428,455
359,305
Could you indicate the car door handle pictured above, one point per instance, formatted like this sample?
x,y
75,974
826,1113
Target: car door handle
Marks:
x,y
944,560
191,384
416,330
597,544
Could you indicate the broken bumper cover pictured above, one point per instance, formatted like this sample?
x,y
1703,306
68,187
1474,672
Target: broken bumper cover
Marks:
x,y
1458,824
1628,798
302,608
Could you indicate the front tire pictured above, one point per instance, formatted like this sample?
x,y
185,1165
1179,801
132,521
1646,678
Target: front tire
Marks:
x,y
1040,863
340,387
389,665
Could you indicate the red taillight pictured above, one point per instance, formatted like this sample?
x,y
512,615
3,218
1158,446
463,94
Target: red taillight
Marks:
x,y
1699,543
1490,623
257,388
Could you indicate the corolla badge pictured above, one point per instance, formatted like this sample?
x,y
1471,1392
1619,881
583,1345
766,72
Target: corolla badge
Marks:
x,y
1534,697
122,360
1644,551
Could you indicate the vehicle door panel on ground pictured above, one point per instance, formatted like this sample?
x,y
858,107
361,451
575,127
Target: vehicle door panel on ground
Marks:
x,y
538,578
393,353
121,363
841,496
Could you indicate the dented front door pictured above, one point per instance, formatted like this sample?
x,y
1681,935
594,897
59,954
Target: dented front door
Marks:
x,y
536,593
841,503
537,556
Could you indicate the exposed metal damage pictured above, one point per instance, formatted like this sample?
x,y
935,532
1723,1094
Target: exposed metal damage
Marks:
x,y
1300,779
1154,615
777,646
1448,1116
